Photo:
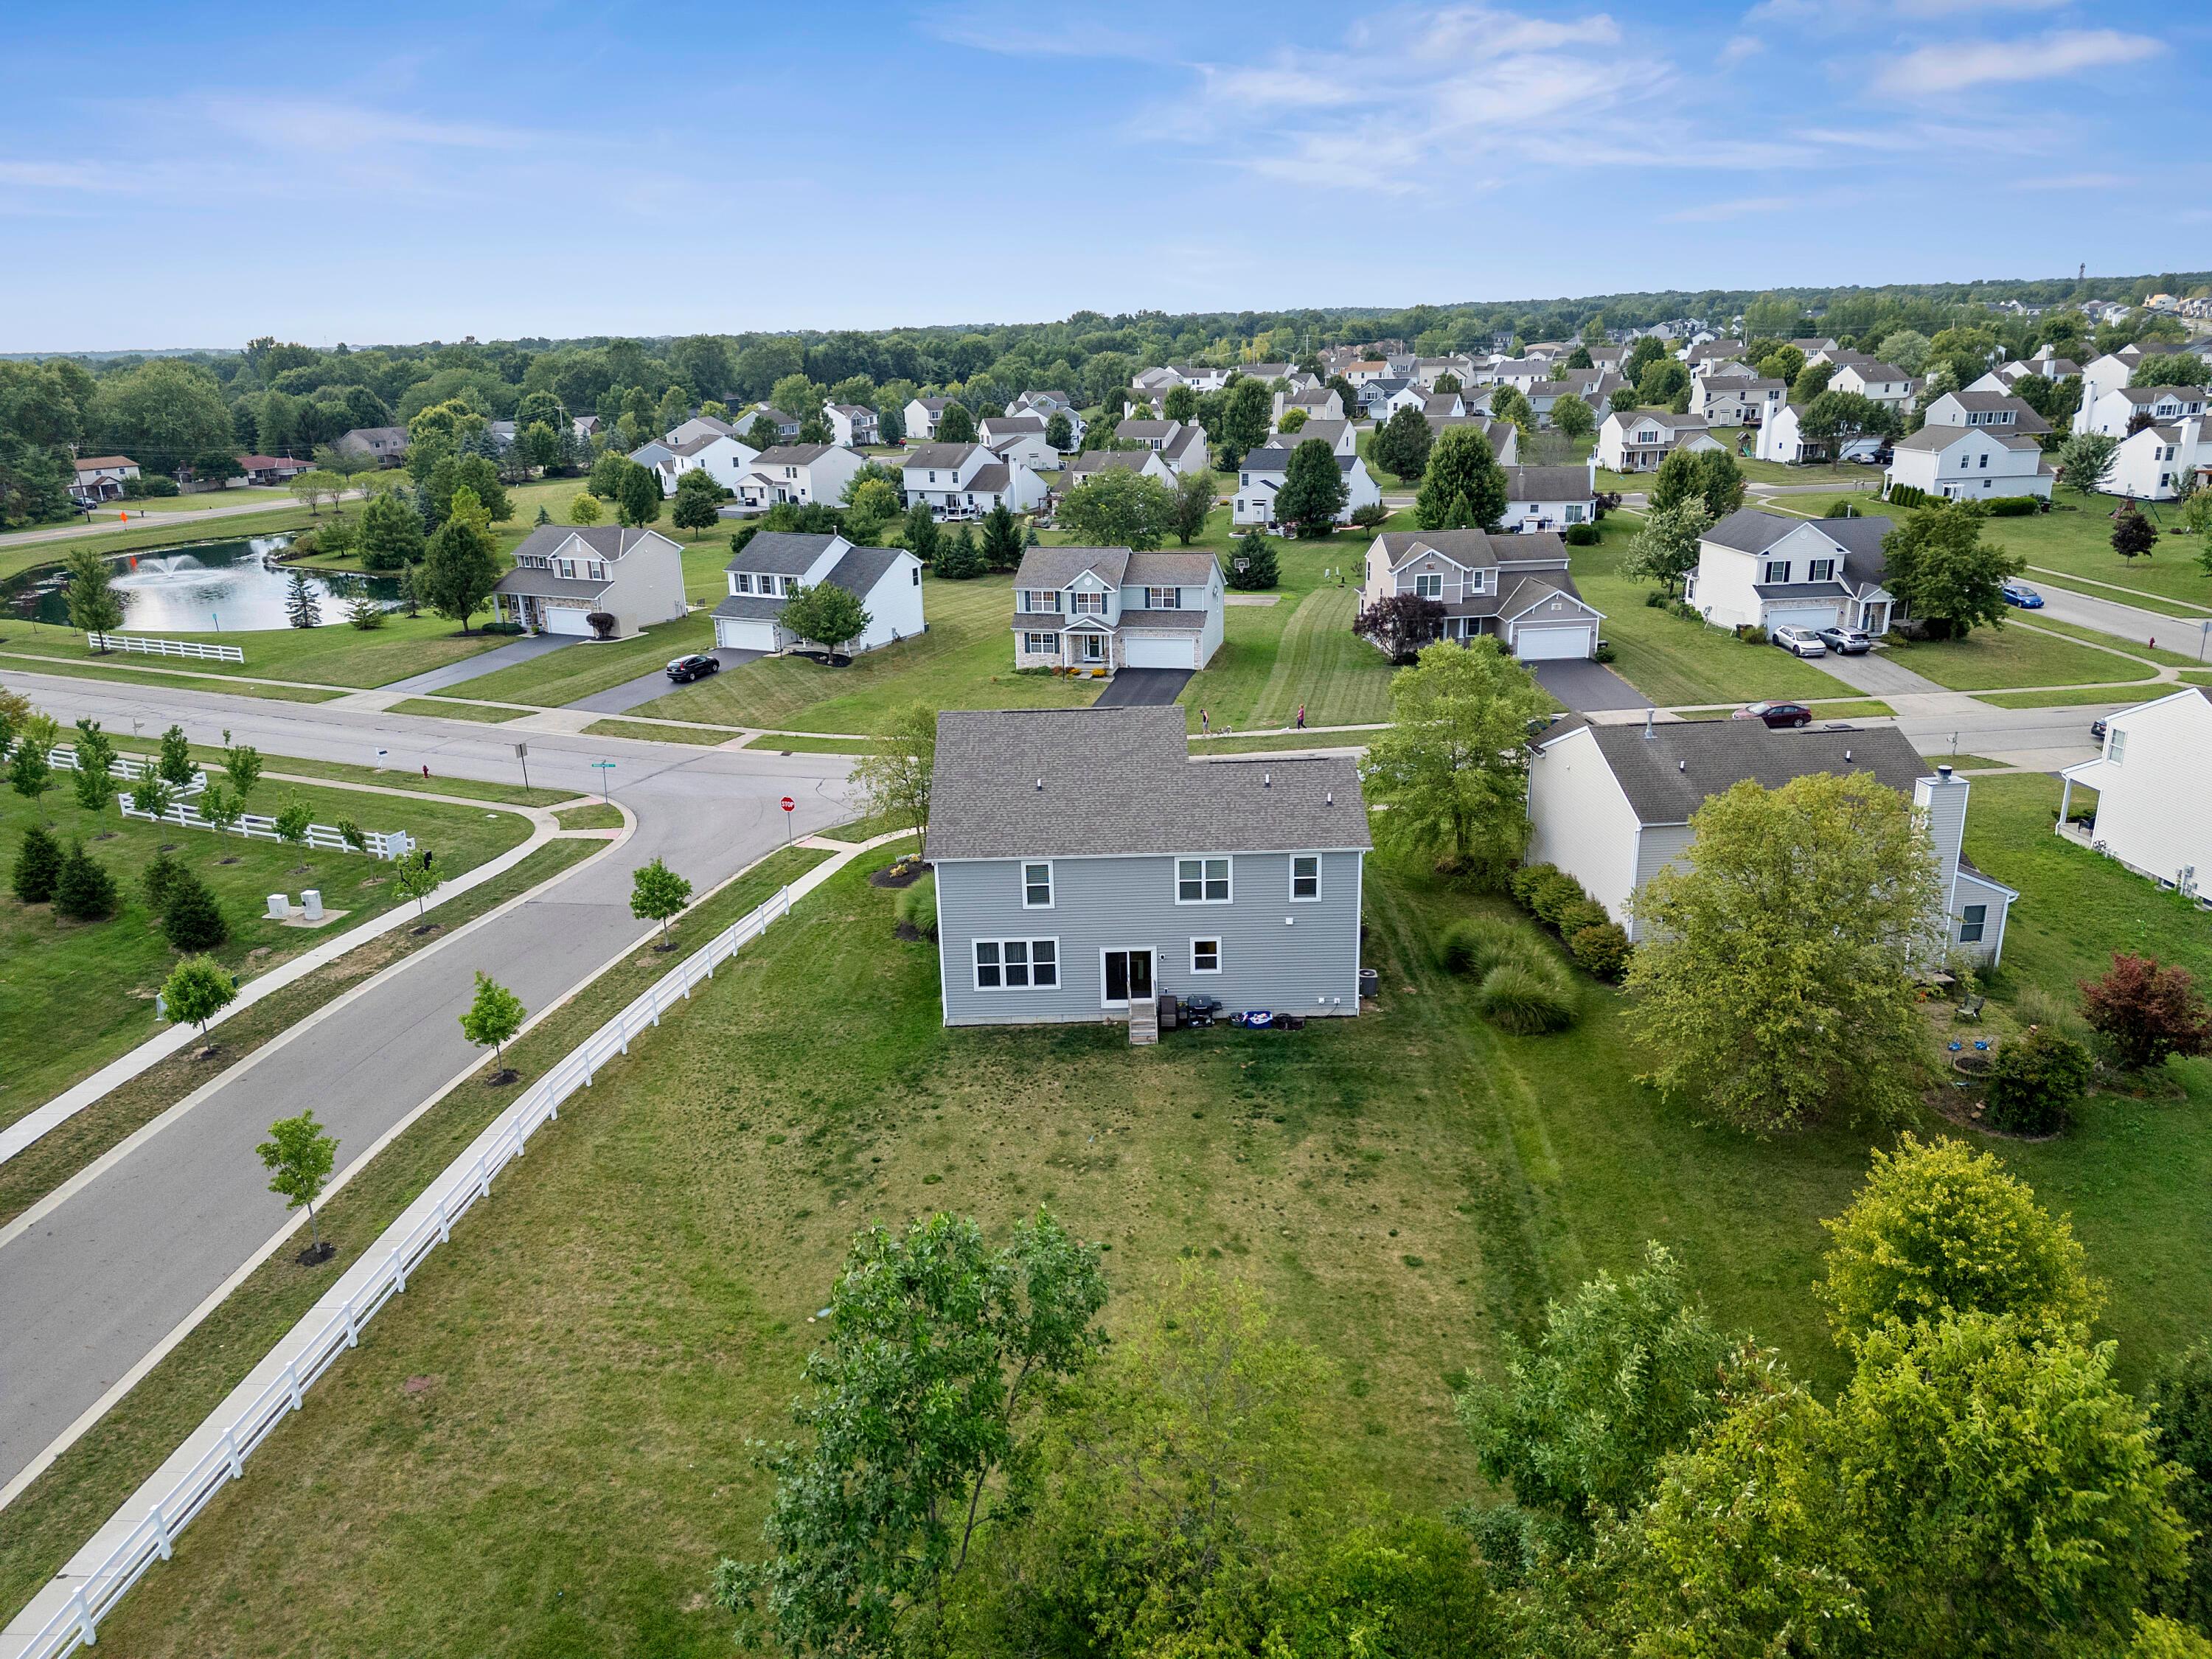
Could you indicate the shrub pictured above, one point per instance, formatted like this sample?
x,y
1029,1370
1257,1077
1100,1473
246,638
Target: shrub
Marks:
x,y
1905,495
1527,1000
37,865
2144,1013
601,623
1686,612
1751,633
84,891
1605,652
2037,1078
1583,913
915,915
1373,516
2011,506
160,877
1475,947
1655,599
1555,897
1524,882
1583,535
1603,950
192,920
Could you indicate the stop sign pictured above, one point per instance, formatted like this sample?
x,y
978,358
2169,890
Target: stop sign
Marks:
x,y
789,805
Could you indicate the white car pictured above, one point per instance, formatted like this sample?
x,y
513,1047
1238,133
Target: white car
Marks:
x,y
1799,642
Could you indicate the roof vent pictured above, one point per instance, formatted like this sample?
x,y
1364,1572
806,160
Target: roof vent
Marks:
x,y
1943,772
1682,766
1330,800
1039,783
1648,715
1847,755
1267,780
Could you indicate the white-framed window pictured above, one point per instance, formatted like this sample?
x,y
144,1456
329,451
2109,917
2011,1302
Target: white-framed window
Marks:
x,y
1777,570
1040,644
1088,605
1206,956
1037,885
741,582
1429,584
1016,964
596,570
1163,599
1973,919
1820,570
1202,881
1305,876
569,568
2116,748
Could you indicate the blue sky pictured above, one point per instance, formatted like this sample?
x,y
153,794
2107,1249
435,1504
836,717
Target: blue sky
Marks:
x,y
196,175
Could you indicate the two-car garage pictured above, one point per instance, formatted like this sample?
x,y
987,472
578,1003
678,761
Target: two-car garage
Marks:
x,y
1159,650
1535,642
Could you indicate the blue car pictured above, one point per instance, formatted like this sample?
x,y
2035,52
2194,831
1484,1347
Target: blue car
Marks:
x,y
2021,594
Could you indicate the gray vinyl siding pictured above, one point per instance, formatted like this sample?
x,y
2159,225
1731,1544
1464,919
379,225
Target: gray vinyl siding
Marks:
x,y
1310,966
1657,846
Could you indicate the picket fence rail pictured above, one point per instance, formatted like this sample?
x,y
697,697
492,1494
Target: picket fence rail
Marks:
x,y
129,768
165,647
448,1199
256,826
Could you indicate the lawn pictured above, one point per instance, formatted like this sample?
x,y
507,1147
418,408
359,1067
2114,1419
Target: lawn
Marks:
x,y
95,980
333,654
2074,539
1990,658
1404,1188
599,815
17,554
117,669
706,736
591,665
449,709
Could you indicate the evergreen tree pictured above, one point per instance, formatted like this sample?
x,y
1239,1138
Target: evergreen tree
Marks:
x,y
1314,490
390,533
1252,564
922,534
1464,487
37,865
84,891
957,559
190,918
95,608
1402,443
956,425
157,881
637,497
300,607
1002,539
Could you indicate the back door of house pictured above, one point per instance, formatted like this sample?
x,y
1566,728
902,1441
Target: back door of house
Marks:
x,y
1128,973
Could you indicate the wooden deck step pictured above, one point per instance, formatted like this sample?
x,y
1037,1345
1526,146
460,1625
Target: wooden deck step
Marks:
x,y
1144,1022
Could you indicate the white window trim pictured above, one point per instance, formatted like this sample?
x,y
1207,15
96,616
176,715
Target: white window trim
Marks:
x,y
1106,950
1214,940
1202,860
1313,897
1051,884
976,972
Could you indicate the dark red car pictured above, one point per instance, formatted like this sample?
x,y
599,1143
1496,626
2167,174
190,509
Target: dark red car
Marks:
x,y
1775,714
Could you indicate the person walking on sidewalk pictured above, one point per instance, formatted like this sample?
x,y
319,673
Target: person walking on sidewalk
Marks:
x,y
1302,717
1204,724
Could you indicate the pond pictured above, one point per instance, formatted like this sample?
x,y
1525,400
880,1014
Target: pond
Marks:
x,y
216,587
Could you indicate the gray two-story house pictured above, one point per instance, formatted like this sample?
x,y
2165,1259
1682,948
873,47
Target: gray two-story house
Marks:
x,y
1103,608
1086,864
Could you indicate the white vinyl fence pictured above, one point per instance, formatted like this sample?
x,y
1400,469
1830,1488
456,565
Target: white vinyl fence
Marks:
x,y
165,647
395,1255
391,844
129,768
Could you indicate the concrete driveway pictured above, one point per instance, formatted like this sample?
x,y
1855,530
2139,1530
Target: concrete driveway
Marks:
x,y
1133,687
621,698
1587,687
485,662
1877,676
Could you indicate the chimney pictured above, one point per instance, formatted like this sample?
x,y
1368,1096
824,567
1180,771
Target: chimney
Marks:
x,y
1944,773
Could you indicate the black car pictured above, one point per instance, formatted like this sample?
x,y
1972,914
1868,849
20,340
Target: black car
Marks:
x,y
696,666
2097,729
1775,714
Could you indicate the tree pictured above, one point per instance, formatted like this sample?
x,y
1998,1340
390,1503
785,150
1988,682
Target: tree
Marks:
x,y
30,767
390,533
1784,363
38,868
1463,488
2180,1398
192,919
1662,382
95,607
166,412
871,507
1452,770
637,496
1648,349
2168,368
1293,421
300,1155
150,794
174,763
2084,459
1402,443
584,509
1908,348
197,990
657,893
764,433
315,486
1059,431
920,533
956,425
291,821
1941,1229
1938,565
494,1015
1247,407
1118,507
958,559
939,1347
1811,382
242,763
1193,501
895,780
1401,625
1509,402
1314,491
1837,419
827,614
2145,1014
84,891
1665,550
415,878
1571,415
1777,978
2132,534
301,608
1002,539
220,807
1180,404
1675,482
460,568
698,507
95,778
1252,565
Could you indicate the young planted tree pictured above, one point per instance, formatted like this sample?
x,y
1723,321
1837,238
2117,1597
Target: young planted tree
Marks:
x,y
957,558
292,821
174,764
220,807
2145,1014
2133,535
1002,538
697,506
241,762
192,919
1665,550
584,508
1180,403
1452,770
301,609
412,874
94,780
84,891
365,613
1194,500
38,867
300,1155
656,894
30,764
151,794
1734,1010
494,1015
197,990
921,535
637,496
2085,458
1402,625
95,607
1059,431
896,779
1292,422
828,615
1464,488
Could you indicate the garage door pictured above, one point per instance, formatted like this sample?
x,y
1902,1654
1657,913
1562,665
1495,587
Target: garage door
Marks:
x,y
1552,644
1815,616
744,633
1158,650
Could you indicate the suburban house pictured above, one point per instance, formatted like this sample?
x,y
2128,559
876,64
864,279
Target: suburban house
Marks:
x,y
1974,463
1761,569
921,415
2151,462
1708,355
266,468
1149,463
1265,471
564,573
1884,383
1339,436
1514,588
1381,397
1998,410
1812,344
785,423
1182,445
2046,363
1637,440
775,564
2154,791
2110,373
102,477
1086,866
1321,403
1782,438
1549,497
1611,805
2124,409
700,426
1104,608
1046,404
385,445
1735,400
852,424
966,481
723,458
1017,438
797,472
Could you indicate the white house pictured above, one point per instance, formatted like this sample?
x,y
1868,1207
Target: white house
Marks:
x,y
564,573
1321,403
852,424
798,473
1180,444
1998,410
1515,589
1737,400
1763,569
1342,436
1611,805
2117,412
1504,437
1046,404
1104,608
1017,439
921,415
1637,440
1782,438
1971,463
776,564
1148,463
1884,383
1549,497
1264,471
1706,356
2110,373
966,481
102,477
700,426
721,458
2154,791
2150,464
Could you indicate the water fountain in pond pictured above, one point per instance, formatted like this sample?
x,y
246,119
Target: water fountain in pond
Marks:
x,y
218,587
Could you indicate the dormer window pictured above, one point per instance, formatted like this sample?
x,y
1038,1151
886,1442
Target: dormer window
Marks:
x,y
741,582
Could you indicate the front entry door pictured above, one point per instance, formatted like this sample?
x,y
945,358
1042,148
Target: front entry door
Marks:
x,y
1094,648
1128,975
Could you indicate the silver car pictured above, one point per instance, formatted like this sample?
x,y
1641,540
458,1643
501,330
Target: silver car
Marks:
x,y
1799,642
1847,642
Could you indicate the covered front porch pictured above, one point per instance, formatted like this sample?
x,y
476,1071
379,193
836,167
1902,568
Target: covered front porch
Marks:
x,y
1080,647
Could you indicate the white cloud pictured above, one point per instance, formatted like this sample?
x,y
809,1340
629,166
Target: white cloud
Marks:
x,y
989,26
2076,181
1742,208
1954,67
1952,7
1740,46
330,126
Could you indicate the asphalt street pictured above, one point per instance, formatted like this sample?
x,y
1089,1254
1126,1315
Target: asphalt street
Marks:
x,y
91,1285
2124,621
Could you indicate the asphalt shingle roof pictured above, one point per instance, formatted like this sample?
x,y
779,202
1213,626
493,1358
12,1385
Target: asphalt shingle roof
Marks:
x,y
607,540
1133,790
1056,567
781,552
1548,483
1669,775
